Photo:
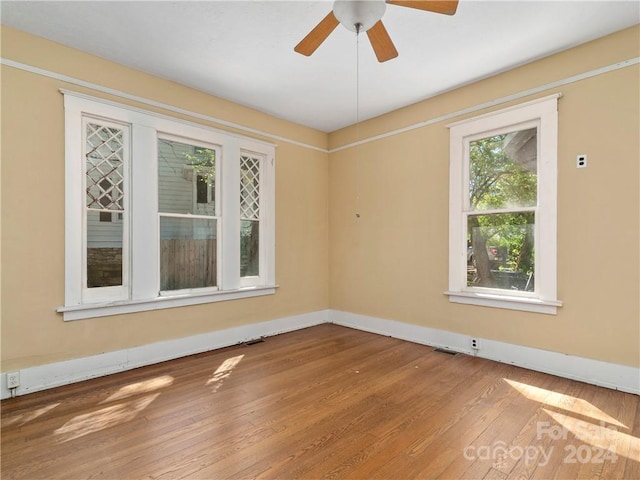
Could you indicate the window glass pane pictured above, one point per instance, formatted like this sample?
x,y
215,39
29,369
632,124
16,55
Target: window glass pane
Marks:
x,y
187,253
249,216
104,167
186,178
104,251
249,188
104,178
501,251
249,248
503,171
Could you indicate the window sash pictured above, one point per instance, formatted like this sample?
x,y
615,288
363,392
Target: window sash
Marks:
x,y
206,145
218,257
116,292
487,134
494,290
252,280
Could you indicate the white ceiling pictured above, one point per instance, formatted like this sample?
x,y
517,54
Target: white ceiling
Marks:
x,y
243,50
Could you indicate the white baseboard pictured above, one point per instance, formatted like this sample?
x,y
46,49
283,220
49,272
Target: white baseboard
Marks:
x,y
610,375
604,374
52,375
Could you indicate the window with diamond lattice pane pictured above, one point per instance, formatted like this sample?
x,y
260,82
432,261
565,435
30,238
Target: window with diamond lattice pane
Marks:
x,y
249,216
104,167
249,188
105,204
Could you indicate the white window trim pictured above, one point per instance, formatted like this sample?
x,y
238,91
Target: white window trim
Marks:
x,y
80,312
143,265
544,111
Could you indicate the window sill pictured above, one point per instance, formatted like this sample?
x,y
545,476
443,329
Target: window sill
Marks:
x,y
536,305
79,312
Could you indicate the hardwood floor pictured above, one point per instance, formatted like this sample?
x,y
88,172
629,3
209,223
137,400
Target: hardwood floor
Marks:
x,y
324,402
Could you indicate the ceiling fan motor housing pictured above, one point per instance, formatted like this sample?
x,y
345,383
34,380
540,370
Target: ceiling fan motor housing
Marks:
x,y
365,13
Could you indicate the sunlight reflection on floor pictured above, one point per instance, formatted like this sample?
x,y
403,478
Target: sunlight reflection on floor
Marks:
x,y
116,414
223,371
600,435
601,430
106,417
140,387
565,402
24,418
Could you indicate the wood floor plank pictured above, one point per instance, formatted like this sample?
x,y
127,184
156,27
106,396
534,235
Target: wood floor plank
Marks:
x,y
377,393
465,429
486,451
632,463
347,393
322,402
339,391
530,448
408,440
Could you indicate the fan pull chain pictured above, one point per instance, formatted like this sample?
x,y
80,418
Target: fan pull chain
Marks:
x,y
358,27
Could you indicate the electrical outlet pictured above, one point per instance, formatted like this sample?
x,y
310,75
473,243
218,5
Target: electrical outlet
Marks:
x,y
475,343
13,380
581,161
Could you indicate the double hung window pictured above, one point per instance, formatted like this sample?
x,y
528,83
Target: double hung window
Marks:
x,y
503,208
188,214
162,212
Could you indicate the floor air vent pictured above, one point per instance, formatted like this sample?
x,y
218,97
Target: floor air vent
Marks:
x,y
254,341
444,350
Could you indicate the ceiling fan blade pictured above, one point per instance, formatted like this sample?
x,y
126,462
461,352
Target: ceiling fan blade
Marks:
x,y
319,34
448,7
381,42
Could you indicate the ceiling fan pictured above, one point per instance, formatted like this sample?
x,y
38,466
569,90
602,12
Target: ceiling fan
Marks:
x,y
365,15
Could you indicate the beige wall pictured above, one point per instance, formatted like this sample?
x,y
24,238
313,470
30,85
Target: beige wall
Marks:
x,y
33,213
392,262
